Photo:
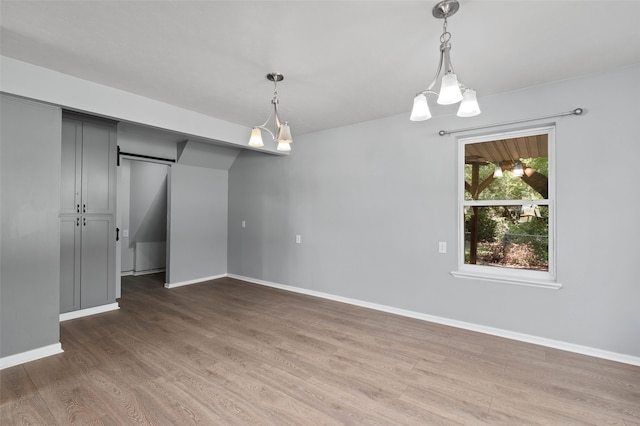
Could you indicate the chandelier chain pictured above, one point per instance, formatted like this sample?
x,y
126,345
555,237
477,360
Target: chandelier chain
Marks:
x,y
446,35
274,100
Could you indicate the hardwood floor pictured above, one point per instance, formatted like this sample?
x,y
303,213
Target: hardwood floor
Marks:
x,y
228,352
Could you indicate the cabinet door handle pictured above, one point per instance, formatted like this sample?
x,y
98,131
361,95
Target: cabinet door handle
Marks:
x,y
84,208
84,221
78,208
117,234
78,220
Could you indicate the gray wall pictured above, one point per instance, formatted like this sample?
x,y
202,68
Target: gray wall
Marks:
x,y
30,150
198,223
371,202
148,214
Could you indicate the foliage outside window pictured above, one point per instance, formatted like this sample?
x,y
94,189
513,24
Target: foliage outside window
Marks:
x,y
506,211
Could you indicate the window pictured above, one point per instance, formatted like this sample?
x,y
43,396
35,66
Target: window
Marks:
x,y
506,207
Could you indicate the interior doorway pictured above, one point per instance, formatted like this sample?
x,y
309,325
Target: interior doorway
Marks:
x,y
145,283
143,215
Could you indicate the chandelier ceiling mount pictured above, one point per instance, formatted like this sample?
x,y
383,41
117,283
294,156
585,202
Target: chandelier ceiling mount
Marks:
x,y
445,8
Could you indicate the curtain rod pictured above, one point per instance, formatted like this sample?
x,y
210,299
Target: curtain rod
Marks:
x,y
577,111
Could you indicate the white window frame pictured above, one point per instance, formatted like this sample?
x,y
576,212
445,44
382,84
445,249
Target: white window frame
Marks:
x,y
545,279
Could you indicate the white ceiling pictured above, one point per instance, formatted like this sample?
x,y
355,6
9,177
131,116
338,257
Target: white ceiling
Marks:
x,y
343,61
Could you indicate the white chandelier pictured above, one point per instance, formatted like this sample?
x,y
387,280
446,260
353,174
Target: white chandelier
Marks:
x,y
451,90
281,132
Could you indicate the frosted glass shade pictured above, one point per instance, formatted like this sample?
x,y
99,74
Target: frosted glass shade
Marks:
x,y
256,138
449,90
469,106
420,111
284,134
497,172
284,146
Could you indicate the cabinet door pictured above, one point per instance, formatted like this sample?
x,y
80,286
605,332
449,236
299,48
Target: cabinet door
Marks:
x,y
70,167
98,261
69,263
98,168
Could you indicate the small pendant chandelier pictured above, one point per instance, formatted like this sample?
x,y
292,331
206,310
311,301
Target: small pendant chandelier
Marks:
x,y
451,89
281,132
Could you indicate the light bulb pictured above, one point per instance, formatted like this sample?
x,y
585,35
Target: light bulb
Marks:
x,y
498,171
420,111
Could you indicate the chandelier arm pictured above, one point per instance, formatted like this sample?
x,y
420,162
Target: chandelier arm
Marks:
x,y
446,49
275,102
277,120
435,77
266,121
267,130
273,113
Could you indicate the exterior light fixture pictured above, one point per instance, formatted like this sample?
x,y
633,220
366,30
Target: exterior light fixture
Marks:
x,y
517,170
497,172
451,89
282,131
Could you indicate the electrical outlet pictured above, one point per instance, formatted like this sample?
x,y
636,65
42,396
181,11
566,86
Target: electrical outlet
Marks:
x,y
442,247
244,223
125,233
298,239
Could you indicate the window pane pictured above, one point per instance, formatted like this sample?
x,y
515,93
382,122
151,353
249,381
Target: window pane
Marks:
x,y
507,169
507,236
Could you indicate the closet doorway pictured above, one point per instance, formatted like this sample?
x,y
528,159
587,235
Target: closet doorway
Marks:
x,y
142,207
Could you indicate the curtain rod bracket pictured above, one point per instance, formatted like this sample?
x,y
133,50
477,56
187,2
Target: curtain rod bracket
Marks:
x,y
577,111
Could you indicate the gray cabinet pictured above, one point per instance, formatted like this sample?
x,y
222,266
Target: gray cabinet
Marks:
x,y
97,264
69,263
88,175
87,213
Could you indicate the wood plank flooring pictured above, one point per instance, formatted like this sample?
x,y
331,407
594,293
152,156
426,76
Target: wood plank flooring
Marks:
x,y
226,352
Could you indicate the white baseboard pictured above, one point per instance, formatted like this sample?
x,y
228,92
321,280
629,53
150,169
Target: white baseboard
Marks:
x,y
89,311
32,355
556,344
196,281
126,273
149,271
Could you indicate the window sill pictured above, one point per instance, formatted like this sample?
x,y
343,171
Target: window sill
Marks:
x,y
508,279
